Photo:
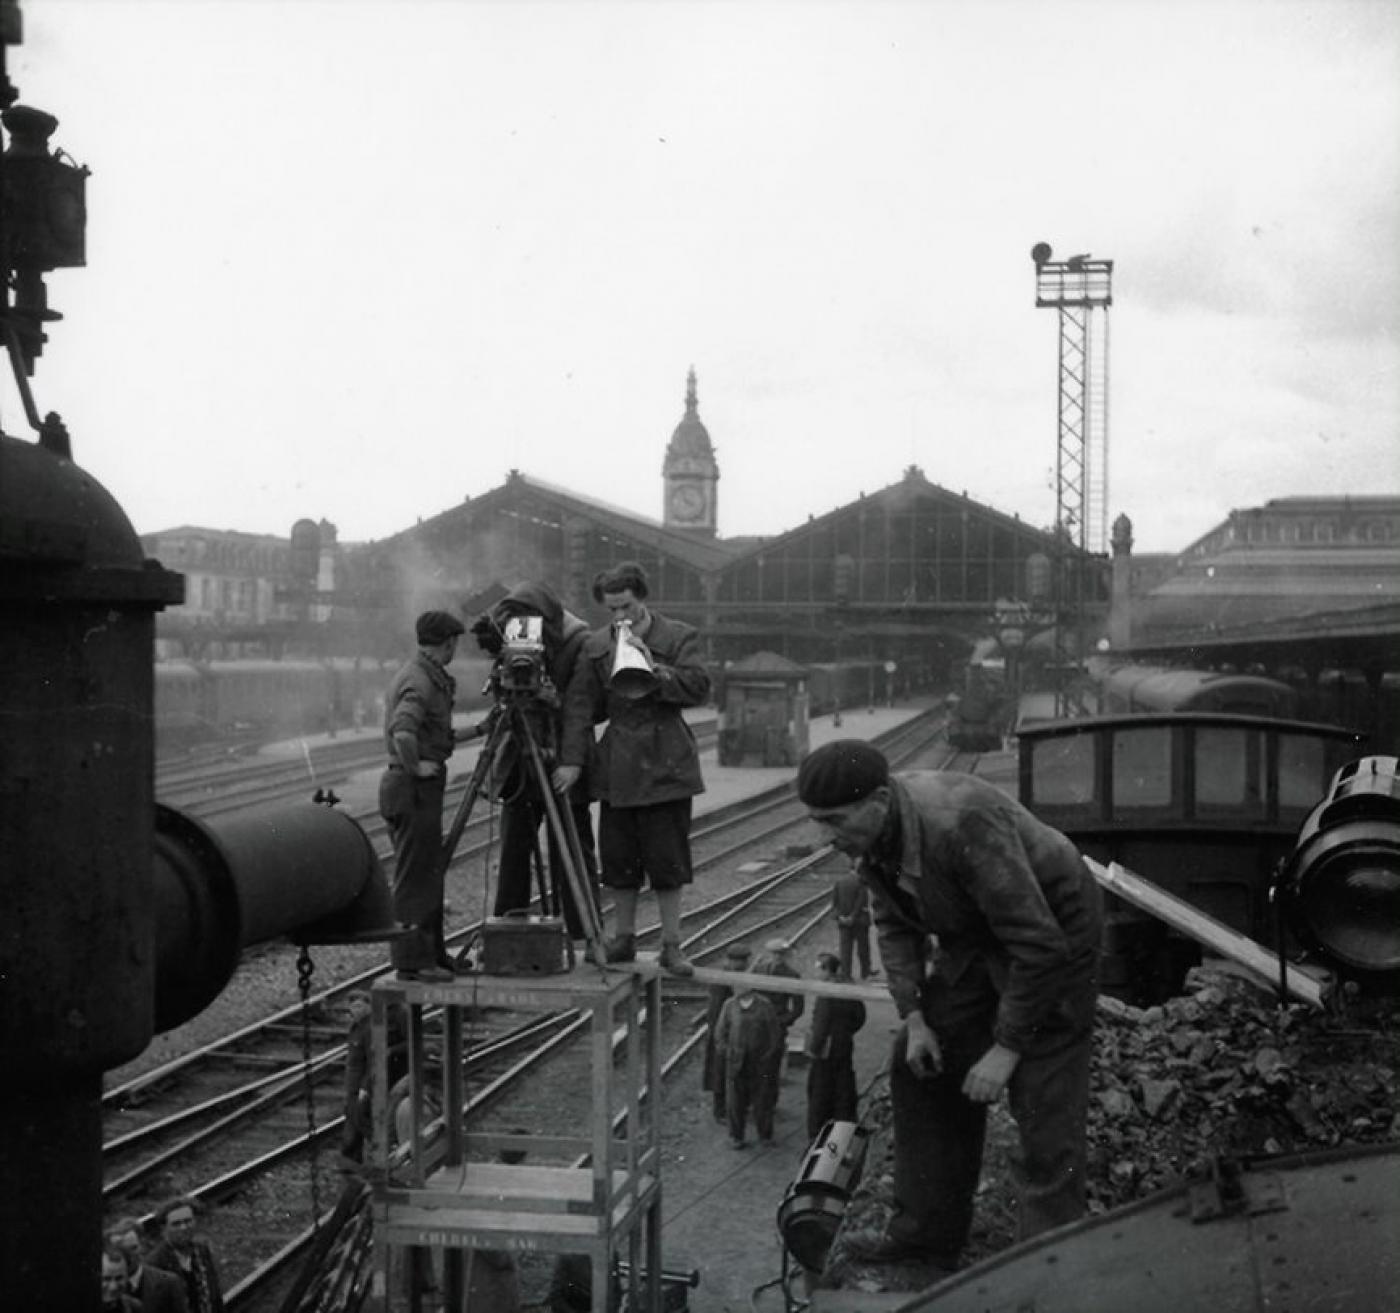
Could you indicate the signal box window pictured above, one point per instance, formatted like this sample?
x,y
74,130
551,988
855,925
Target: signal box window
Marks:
x,y
1142,769
1062,771
1230,771
1302,772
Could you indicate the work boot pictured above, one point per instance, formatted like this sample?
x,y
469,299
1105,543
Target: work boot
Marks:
x,y
620,948
673,960
882,1247
429,975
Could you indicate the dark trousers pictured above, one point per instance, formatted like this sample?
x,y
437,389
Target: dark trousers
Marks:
x,y
521,819
853,941
831,1093
749,1083
939,1133
412,809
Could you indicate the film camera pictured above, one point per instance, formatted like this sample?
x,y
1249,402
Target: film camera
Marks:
x,y
517,644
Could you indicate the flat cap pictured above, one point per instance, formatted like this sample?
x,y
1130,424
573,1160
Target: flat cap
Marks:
x,y
738,952
434,627
777,946
840,773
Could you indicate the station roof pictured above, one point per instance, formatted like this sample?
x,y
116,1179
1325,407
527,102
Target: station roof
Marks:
x,y
703,554
912,487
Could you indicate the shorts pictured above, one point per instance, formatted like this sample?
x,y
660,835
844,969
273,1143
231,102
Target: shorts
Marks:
x,y
645,843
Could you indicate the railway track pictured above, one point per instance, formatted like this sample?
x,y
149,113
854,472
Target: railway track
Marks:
x,y
219,788
254,1120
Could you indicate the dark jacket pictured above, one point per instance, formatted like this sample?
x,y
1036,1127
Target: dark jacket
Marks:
x,y
1014,908
786,1007
564,636
202,1277
419,701
159,1291
647,753
748,1029
834,1025
850,901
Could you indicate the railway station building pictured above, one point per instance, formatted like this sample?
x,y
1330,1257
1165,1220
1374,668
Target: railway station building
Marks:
x,y
910,576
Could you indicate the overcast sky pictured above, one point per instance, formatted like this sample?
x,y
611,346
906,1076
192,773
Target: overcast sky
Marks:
x,y
355,261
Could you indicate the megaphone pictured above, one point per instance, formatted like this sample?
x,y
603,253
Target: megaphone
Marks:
x,y
633,675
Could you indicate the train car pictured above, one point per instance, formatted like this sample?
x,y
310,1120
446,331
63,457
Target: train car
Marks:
x,y
181,706
843,685
1135,688
1203,804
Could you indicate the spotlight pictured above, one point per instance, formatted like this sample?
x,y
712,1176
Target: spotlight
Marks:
x,y
1339,889
812,1208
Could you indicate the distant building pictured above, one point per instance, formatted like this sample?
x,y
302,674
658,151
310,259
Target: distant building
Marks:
x,y
1292,556
243,588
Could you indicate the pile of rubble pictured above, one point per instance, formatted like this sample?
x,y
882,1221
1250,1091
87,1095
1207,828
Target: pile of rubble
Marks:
x,y
1222,1071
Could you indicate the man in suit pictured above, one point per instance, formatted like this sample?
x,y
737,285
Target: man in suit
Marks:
x,y
155,1290
189,1258
114,1296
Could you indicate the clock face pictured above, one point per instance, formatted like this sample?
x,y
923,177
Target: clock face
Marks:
x,y
687,501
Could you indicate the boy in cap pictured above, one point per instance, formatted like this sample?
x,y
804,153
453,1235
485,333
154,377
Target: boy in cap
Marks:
x,y
1017,917
419,737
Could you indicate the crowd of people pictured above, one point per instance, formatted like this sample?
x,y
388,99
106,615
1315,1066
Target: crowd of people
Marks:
x,y
177,1273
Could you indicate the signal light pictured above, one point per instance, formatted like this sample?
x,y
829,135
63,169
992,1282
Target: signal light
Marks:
x,y
45,196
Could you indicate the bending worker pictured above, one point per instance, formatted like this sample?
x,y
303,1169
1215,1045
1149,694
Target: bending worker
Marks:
x,y
1009,1005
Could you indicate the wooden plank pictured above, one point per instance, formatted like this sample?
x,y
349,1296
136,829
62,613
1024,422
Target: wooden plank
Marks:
x,y
1259,961
646,966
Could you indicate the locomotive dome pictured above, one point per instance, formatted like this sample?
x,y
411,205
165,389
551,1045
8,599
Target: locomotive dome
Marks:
x,y
54,513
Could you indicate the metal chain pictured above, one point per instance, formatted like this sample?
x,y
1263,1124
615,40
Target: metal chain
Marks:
x,y
305,968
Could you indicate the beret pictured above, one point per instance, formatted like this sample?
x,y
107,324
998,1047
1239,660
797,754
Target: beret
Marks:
x,y
436,627
840,773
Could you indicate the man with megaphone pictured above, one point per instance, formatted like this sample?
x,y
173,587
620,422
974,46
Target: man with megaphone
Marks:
x,y
637,674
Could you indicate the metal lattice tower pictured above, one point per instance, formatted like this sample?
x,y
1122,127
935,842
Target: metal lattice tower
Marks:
x,y
1078,287
1081,289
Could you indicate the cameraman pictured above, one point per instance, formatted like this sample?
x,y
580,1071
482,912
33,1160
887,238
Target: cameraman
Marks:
x,y
522,808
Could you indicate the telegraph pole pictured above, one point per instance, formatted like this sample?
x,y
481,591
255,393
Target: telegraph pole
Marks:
x,y
1078,288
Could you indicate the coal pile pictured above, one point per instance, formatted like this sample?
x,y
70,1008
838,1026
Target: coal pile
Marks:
x,y
1224,1071
1221,1072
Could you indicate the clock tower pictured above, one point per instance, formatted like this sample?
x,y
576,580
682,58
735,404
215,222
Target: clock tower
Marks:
x,y
690,473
